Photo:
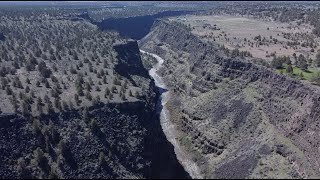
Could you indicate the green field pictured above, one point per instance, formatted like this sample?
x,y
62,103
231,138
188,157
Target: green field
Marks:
x,y
307,75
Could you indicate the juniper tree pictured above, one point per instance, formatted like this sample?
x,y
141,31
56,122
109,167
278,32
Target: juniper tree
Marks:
x,y
104,80
102,159
137,95
79,88
54,79
317,60
26,108
125,85
27,89
110,96
88,96
90,81
65,106
43,69
289,69
62,148
71,105
105,64
85,114
107,92
28,81
32,94
50,107
47,85
80,64
302,62
36,126
114,89
21,167
46,99
76,99
276,63
9,90
88,87
4,82
123,96
94,126
72,70
14,103
39,105
98,75
96,100
54,67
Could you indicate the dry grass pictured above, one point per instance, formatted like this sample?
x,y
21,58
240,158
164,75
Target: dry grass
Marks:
x,y
232,31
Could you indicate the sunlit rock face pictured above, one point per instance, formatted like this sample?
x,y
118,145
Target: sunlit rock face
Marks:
x,y
230,110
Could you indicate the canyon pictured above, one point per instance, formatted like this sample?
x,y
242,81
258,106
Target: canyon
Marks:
x,y
235,119
145,96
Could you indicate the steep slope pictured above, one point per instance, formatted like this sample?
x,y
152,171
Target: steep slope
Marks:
x,y
127,134
77,103
235,118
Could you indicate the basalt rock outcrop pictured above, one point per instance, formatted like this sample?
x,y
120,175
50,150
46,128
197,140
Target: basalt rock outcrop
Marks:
x,y
236,119
132,66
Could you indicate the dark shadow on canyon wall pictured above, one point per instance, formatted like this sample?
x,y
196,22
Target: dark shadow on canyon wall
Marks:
x,y
165,164
135,27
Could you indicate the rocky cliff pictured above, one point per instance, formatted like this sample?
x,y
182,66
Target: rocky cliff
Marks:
x,y
105,140
236,119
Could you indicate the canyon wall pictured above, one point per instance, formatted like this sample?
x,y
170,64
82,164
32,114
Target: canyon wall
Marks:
x,y
236,119
106,140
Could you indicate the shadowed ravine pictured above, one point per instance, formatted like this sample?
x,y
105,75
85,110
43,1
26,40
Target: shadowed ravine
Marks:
x,y
167,126
134,27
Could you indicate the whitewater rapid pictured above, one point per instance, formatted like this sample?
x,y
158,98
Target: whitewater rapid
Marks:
x,y
167,126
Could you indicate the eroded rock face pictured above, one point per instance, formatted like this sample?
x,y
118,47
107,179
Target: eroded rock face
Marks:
x,y
225,102
130,63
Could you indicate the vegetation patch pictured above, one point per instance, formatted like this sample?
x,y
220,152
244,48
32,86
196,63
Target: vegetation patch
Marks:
x,y
310,74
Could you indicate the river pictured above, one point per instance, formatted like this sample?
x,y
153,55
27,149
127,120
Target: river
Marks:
x,y
167,126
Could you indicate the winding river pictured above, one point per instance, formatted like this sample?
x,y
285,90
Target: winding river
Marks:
x,y
167,126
